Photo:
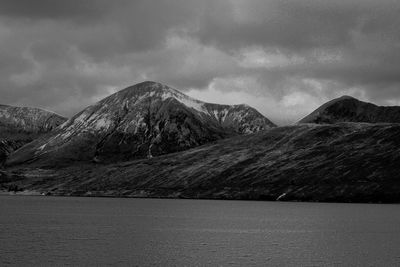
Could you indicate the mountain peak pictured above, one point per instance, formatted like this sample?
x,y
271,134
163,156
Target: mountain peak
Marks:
x,y
345,97
149,86
350,109
149,83
143,88
150,89
338,99
142,120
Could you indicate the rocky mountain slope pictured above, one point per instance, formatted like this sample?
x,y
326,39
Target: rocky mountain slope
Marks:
x,y
21,125
144,120
347,162
349,109
29,119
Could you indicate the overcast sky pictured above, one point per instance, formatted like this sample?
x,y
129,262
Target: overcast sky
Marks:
x,y
285,58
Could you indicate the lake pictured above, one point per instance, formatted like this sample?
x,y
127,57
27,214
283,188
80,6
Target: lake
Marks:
x,y
47,231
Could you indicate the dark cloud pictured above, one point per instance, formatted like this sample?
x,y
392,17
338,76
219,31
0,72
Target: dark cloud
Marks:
x,y
48,9
64,55
294,25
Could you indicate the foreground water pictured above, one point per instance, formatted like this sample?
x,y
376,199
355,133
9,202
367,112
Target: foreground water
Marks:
x,y
39,231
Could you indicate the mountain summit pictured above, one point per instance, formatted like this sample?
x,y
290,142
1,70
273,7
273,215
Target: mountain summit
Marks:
x,y
350,109
143,120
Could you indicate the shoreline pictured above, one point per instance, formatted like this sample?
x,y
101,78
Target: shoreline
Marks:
x,y
41,194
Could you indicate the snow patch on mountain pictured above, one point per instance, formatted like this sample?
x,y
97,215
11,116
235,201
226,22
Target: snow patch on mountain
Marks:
x,y
168,92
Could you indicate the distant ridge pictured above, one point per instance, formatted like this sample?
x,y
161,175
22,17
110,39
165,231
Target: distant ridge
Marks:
x,y
21,125
350,109
29,119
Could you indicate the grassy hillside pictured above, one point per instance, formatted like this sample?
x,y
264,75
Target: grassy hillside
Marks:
x,y
349,162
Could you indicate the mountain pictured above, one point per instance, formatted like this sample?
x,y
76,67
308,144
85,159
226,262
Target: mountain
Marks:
x,y
29,119
144,120
21,125
344,162
349,109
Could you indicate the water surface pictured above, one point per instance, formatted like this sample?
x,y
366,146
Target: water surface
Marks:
x,y
110,231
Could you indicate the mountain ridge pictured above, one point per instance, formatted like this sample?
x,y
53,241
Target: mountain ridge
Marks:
x,y
350,109
198,157
29,118
21,125
142,120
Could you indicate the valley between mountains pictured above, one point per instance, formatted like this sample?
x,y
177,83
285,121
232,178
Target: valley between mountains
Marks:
x,y
150,140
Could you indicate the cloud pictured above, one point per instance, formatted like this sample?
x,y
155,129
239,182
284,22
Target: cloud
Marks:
x,y
283,57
